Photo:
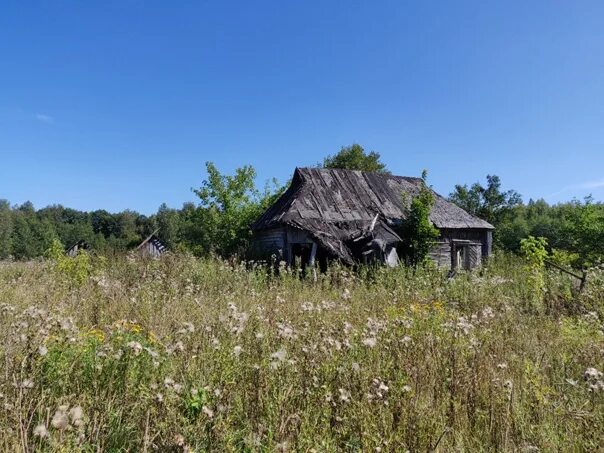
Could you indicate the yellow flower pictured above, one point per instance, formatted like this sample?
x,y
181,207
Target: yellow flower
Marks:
x,y
97,334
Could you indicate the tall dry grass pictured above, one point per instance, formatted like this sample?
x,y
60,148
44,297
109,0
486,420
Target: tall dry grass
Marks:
x,y
199,355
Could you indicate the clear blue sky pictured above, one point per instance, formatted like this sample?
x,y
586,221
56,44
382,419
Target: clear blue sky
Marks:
x,y
118,104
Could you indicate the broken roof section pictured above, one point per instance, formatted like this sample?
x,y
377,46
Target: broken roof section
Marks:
x,y
336,206
152,245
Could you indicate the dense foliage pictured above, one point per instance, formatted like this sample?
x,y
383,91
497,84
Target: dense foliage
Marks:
x,y
182,354
573,230
354,157
219,222
417,232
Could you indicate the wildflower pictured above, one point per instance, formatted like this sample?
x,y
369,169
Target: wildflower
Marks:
x,y
168,382
159,398
60,420
27,384
355,367
307,306
41,431
176,347
592,374
406,388
502,366
135,346
187,328
508,385
215,343
286,331
406,340
237,350
280,355
76,414
179,440
464,325
487,313
370,342
344,395
42,350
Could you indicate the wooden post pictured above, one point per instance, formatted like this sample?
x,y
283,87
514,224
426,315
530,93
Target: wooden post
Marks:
x,y
311,260
313,253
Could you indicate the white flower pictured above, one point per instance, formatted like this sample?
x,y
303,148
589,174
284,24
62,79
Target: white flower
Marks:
x,y
370,342
42,350
237,350
135,346
592,374
406,388
60,420
41,431
344,395
286,331
27,384
188,327
76,414
280,355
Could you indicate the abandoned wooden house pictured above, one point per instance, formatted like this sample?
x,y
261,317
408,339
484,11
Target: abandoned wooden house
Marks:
x,y
77,247
353,216
152,246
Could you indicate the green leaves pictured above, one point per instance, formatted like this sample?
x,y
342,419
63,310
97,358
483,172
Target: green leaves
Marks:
x,y
228,206
354,157
417,231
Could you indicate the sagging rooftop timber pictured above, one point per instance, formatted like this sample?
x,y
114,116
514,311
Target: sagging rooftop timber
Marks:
x,y
351,216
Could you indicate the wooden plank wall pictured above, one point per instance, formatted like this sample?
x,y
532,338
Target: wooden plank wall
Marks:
x,y
441,254
266,243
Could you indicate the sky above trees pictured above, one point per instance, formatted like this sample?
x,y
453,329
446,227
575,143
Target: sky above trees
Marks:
x,y
118,105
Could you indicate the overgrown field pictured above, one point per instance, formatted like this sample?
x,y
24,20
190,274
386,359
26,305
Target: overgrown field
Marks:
x,y
182,354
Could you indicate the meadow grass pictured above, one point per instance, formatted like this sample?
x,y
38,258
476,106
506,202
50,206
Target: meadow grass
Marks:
x,y
181,354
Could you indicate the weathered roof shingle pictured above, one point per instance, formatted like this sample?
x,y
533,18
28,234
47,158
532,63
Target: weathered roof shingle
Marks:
x,y
334,205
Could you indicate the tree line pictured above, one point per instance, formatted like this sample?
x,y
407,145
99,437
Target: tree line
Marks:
x,y
219,221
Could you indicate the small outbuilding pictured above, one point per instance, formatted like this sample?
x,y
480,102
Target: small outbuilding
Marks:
x,y
352,216
77,247
152,246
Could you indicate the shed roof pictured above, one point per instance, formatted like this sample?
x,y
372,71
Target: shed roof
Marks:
x,y
336,195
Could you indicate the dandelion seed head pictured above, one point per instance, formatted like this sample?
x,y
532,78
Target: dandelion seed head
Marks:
x,y
60,420
41,431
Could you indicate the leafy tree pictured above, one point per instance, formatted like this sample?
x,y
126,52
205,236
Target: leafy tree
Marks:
x,y
354,157
169,223
6,229
417,232
228,206
535,252
487,202
584,226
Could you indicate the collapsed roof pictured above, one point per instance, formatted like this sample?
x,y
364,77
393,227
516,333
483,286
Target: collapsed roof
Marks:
x,y
335,206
